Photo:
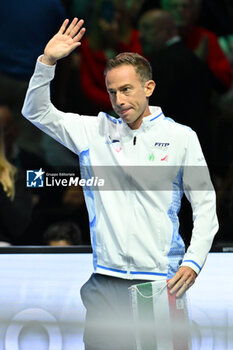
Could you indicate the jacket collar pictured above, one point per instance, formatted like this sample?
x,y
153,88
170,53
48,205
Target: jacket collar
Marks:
x,y
147,122
117,128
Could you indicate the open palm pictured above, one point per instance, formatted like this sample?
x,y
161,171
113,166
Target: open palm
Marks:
x,y
64,42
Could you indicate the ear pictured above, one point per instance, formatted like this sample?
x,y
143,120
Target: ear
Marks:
x,y
149,87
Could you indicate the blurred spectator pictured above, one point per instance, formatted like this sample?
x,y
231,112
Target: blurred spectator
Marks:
x,y
49,204
18,156
18,54
15,201
103,41
67,204
203,42
218,17
25,28
183,87
64,233
25,160
127,13
10,132
99,44
57,204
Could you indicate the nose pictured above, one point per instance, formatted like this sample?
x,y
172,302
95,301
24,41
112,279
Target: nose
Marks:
x,y
119,99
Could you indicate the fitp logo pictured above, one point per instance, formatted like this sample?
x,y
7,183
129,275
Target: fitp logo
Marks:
x,y
35,178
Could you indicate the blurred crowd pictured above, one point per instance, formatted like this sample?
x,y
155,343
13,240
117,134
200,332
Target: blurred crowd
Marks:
x,y
189,44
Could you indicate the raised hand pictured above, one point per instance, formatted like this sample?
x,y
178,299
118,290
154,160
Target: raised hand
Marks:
x,y
64,42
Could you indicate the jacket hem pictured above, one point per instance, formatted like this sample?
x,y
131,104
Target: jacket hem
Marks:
x,y
142,275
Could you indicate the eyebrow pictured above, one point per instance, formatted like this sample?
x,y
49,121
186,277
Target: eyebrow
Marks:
x,y
120,88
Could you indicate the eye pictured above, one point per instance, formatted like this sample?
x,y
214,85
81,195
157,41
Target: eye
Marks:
x,y
112,92
126,89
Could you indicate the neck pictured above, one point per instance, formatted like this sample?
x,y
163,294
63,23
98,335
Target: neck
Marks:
x,y
137,123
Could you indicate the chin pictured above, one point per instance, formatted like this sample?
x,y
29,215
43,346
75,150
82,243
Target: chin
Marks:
x,y
128,119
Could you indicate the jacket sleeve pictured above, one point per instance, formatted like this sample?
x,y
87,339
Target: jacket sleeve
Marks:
x,y
67,128
200,193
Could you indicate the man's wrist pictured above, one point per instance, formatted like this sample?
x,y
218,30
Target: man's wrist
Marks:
x,y
47,60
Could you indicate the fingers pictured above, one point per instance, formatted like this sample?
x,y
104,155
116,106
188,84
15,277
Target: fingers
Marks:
x,y
63,27
181,288
182,281
73,28
80,34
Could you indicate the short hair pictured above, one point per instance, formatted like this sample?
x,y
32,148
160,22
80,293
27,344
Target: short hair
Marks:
x,y
140,63
64,230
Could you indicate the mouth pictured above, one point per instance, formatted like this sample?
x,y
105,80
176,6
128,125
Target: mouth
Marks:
x,y
124,111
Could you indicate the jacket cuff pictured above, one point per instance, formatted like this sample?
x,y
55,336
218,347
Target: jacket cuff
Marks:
x,y
40,66
193,265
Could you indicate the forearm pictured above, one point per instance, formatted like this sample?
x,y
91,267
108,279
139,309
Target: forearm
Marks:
x,y
200,193
38,108
37,101
205,227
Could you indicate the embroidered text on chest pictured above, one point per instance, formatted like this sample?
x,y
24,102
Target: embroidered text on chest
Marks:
x,y
163,146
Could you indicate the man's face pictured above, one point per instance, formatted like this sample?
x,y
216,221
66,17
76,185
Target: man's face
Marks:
x,y
152,35
128,95
183,11
129,8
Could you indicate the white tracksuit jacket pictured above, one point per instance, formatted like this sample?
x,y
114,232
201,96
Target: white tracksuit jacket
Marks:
x,y
134,231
